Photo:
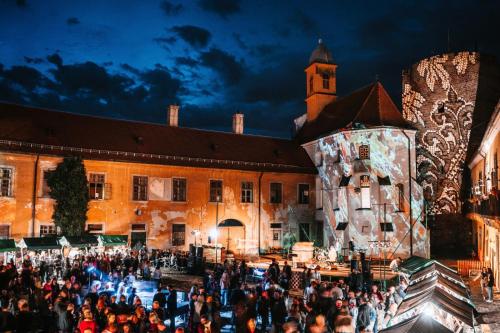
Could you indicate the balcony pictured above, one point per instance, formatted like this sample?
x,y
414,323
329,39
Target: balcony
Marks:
x,y
485,207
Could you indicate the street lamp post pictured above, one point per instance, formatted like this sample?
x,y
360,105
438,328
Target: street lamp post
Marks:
x,y
216,222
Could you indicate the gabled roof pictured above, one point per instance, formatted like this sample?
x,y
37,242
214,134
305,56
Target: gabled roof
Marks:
x,y
459,309
370,106
35,130
418,324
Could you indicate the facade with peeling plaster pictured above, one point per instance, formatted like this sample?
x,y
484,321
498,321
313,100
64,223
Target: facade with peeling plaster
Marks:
x,y
155,220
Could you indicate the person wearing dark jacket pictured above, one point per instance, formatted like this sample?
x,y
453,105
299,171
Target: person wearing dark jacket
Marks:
x,y
7,320
24,319
172,306
160,298
278,312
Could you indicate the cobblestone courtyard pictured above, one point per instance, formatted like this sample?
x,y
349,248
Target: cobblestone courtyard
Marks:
x,y
489,312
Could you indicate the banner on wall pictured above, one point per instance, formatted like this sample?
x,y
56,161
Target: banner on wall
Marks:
x,y
160,189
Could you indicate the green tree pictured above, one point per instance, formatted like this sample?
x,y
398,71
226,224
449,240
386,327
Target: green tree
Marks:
x,y
69,188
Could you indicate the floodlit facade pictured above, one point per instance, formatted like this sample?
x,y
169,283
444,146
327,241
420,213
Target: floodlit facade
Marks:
x,y
484,202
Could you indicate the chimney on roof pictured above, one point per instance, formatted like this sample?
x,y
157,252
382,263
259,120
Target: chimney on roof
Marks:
x,y
173,115
238,123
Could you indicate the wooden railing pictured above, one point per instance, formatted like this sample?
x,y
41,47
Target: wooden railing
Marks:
x,y
464,267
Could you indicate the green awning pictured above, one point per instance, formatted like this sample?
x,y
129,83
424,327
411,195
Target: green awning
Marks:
x,y
113,240
416,263
7,245
79,241
39,243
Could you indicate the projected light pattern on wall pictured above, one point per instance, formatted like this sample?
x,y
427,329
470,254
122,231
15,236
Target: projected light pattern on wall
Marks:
x,y
343,178
439,94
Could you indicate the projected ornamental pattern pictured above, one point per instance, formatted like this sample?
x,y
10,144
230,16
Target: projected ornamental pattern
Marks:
x,y
354,188
439,95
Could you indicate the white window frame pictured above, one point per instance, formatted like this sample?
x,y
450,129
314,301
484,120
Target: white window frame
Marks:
x,y
210,190
11,193
186,190
132,194
246,190
103,185
46,225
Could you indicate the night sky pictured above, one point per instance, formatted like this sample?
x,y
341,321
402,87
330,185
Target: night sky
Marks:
x,y
130,59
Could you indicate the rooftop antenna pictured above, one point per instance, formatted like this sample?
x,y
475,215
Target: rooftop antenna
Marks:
x,y
376,78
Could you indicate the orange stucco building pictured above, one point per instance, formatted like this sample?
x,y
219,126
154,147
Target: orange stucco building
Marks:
x,y
160,184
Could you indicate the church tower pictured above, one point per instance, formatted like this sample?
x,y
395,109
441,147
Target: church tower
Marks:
x,y
321,82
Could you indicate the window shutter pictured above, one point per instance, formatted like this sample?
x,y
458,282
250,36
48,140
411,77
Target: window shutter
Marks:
x,y
107,191
167,193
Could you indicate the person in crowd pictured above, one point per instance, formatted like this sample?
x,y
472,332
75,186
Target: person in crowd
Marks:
x,y
490,283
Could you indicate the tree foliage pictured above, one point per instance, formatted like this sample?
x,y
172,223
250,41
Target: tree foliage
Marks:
x,y
69,188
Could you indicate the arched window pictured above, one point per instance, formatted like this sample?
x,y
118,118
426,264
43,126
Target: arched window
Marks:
x,y
364,152
326,81
400,197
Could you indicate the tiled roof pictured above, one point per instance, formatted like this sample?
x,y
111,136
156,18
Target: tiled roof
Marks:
x,y
35,130
370,106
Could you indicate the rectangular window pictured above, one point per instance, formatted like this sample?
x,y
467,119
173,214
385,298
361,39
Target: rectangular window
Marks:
x,y
216,191
138,227
276,193
4,231
178,234
364,181
179,189
45,187
400,197
140,188
47,230
303,195
364,152
96,186
95,228
5,182
246,192
326,81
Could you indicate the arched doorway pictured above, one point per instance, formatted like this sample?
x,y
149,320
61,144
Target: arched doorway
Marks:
x,y
234,231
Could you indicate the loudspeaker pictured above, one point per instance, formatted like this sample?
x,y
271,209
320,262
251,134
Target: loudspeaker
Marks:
x,y
354,264
192,250
199,251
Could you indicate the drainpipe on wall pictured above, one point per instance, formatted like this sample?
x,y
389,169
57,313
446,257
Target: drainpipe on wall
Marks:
x,y
33,199
260,207
410,190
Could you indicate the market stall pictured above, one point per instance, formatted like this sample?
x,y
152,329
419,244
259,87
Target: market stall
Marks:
x,y
73,245
8,249
40,248
112,243
435,293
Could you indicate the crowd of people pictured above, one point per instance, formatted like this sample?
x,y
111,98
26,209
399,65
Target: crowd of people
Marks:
x,y
95,293
269,305
88,294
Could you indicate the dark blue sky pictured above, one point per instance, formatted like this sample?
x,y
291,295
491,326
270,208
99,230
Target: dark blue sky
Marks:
x,y
130,59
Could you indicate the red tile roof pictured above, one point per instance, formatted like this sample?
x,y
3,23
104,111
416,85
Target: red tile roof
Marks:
x,y
34,130
370,106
